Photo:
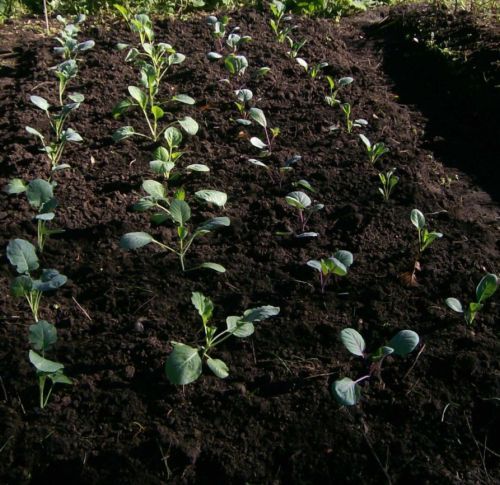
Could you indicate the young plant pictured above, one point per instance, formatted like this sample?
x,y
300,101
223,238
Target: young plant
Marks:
x,y
21,254
166,157
305,209
312,71
69,47
57,117
336,265
350,124
42,336
258,116
485,289
278,10
179,212
295,47
277,174
185,363
40,195
243,96
218,28
348,392
374,151
334,88
425,238
388,181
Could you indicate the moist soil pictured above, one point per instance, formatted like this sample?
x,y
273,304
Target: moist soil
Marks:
x,y
429,418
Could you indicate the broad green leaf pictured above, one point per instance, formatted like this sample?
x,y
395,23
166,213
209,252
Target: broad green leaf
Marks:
x,y
244,95
197,167
346,391
135,240
258,143
180,211
454,304
21,286
239,327
486,287
71,135
298,199
121,107
404,342
183,98
157,112
365,141
15,186
260,313
213,224
160,167
183,365
345,257
123,133
60,378
22,255
353,341
218,367
44,365
203,304
40,102
39,192
51,279
176,58
302,63
214,267
42,335
417,219
34,132
189,125
173,137
85,46
336,266
315,264
258,163
139,96
214,56
258,116
154,189
212,197
344,81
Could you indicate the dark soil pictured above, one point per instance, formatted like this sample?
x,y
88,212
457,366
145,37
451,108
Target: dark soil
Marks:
x,y
431,419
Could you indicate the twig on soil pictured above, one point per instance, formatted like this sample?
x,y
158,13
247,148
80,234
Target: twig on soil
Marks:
x,y
445,409
21,404
414,363
6,397
81,308
6,443
384,469
144,304
320,375
481,455
164,459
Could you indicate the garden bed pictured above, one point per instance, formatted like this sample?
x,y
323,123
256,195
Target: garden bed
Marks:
x,y
273,420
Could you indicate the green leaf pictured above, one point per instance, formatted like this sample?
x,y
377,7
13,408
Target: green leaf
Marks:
x,y
258,116
183,98
51,279
353,341
346,391
365,141
180,211
214,56
258,163
212,197
315,264
404,342
239,327
486,287
34,132
189,125
154,189
213,266
173,137
135,240
260,313
162,168
183,365
121,107
345,257
138,96
42,335
213,224
158,112
197,167
60,378
258,143
123,133
21,286
44,365
454,304
40,102
15,186
22,255
218,367
39,192
417,219
298,199
203,304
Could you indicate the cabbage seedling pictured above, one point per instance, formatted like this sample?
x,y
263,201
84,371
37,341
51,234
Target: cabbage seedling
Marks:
x,y
350,124
425,238
348,392
180,213
184,364
218,28
305,209
388,181
258,116
40,195
22,255
374,151
484,290
334,89
312,71
295,47
277,174
338,265
57,118
42,336
278,10
69,47
243,96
